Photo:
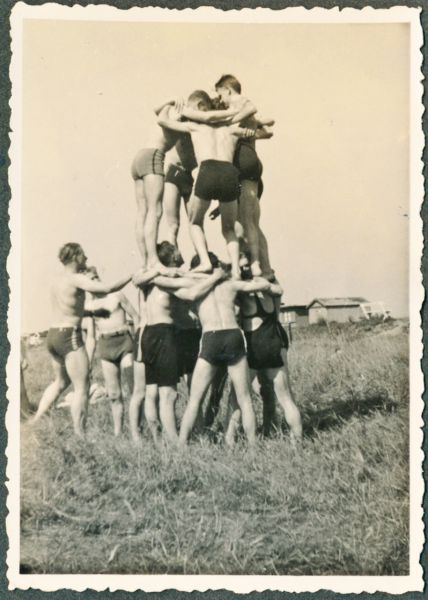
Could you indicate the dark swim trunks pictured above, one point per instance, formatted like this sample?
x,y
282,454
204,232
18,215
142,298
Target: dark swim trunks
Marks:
x,y
247,162
148,161
188,343
217,180
112,347
159,352
63,340
264,345
223,347
180,177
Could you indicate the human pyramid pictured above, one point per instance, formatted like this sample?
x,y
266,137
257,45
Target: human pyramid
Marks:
x,y
203,323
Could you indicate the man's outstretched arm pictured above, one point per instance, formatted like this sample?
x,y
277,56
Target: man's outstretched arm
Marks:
x,y
83,282
209,116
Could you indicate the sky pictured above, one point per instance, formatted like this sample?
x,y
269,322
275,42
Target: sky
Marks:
x,y
336,173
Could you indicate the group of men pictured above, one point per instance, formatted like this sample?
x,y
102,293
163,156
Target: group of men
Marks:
x,y
201,323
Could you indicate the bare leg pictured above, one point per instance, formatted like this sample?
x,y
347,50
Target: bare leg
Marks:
x,y
249,216
215,395
151,411
53,391
167,397
268,398
153,188
234,420
77,365
240,380
265,265
197,210
202,377
111,373
284,394
141,218
26,407
137,401
171,207
229,215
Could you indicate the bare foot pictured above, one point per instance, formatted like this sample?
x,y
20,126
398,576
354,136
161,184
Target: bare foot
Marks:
x,y
203,268
255,269
235,274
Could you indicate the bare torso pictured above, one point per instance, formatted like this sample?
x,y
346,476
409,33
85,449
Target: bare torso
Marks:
x,y
67,301
162,138
185,152
117,318
217,310
158,306
250,121
216,143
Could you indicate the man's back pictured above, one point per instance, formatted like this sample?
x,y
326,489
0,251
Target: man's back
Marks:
x,y
214,142
217,309
67,301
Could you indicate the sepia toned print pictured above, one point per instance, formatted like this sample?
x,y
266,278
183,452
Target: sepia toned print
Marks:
x,y
214,339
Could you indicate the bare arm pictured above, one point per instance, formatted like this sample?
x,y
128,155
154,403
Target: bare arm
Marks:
x,y
198,290
256,285
83,282
159,108
209,116
247,110
265,122
169,284
129,309
263,134
275,289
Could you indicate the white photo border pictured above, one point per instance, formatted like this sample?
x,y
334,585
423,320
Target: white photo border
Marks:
x,y
238,584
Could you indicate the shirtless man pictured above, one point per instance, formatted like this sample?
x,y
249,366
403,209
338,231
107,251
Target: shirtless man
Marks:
x,y
267,345
222,345
217,178
115,345
250,171
159,340
65,344
148,173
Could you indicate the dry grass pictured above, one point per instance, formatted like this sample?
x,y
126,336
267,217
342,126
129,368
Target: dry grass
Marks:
x,y
337,505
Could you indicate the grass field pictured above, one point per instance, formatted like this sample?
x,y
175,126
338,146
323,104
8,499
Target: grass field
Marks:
x,y
338,504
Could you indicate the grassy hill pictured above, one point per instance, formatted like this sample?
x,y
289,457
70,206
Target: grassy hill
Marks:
x,y
336,505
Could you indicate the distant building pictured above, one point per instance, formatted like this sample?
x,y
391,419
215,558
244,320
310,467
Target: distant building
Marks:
x,y
340,310
294,314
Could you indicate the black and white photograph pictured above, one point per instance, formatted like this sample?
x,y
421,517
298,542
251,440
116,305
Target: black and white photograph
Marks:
x,y
214,378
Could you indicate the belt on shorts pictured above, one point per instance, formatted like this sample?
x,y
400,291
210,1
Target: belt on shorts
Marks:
x,y
109,334
72,327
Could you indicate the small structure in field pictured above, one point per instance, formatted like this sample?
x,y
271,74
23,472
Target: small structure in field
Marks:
x,y
294,314
340,310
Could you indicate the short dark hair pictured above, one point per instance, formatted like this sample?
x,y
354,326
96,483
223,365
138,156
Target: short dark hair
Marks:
x,y
200,96
196,261
229,82
68,252
168,254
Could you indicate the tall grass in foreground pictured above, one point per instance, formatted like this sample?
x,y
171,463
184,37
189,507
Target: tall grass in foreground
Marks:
x,y
337,505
